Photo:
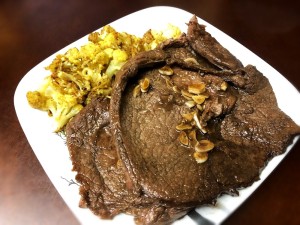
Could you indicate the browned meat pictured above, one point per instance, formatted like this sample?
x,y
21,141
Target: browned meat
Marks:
x,y
128,150
101,174
92,152
207,46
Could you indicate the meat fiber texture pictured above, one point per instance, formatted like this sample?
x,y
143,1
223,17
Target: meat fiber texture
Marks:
x,y
127,152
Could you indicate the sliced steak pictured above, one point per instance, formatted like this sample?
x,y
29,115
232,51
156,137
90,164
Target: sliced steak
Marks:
x,y
256,120
149,142
95,159
101,175
129,153
207,46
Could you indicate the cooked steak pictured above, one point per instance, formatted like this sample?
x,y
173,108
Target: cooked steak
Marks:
x,y
207,46
101,174
141,152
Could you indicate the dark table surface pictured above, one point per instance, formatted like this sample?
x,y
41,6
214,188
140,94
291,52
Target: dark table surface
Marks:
x,y
31,30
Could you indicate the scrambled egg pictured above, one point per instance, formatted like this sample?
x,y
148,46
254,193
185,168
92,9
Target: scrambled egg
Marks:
x,y
83,73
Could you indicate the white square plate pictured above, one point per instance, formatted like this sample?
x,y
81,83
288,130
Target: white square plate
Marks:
x,y
51,149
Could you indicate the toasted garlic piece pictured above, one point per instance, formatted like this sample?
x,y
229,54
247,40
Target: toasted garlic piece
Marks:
x,y
191,60
183,138
166,70
183,126
199,99
196,88
190,104
188,116
137,91
145,84
186,95
198,124
192,135
200,157
204,146
224,86
196,119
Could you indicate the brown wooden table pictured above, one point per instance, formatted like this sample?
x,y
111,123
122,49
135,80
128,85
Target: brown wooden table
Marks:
x,y
32,30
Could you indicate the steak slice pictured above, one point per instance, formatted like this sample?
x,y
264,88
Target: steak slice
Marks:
x,y
95,160
149,140
207,46
128,153
102,179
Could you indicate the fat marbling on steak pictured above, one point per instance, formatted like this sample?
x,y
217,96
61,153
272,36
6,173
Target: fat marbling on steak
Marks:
x,y
127,150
